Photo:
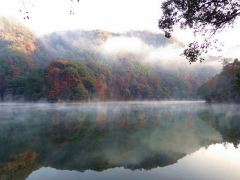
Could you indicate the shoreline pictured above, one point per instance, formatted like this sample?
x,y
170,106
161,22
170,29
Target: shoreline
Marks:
x,y
104,101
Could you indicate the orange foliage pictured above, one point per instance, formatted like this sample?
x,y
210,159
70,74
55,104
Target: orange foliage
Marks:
x,y
62,80
101,87
21,167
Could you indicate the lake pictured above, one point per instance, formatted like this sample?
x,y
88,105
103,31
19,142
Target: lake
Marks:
x,y
119,140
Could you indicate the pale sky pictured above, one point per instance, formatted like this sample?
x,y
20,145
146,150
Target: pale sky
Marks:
x,y
111,15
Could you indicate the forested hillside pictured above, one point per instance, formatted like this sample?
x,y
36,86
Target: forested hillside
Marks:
x,y
224,87
75,65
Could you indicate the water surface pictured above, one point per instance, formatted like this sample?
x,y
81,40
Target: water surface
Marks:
x,y
119,140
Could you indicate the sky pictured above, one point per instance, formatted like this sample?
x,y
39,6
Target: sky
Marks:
x,y
111,15
47,16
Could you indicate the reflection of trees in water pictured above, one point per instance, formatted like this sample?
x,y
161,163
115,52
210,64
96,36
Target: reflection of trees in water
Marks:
x,y
226,122
20,166
99,139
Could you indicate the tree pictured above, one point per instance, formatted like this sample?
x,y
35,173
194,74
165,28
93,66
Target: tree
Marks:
x,y
224,87
205,17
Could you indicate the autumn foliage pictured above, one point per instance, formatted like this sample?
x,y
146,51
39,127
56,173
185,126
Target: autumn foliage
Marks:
x,y
224,87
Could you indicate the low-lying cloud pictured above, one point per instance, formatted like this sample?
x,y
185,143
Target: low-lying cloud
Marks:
x,y
168,56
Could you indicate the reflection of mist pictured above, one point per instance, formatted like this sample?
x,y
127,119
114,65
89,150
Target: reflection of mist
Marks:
x,y
104,135
101,116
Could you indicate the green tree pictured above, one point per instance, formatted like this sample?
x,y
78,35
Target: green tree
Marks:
x,y
35,86
205,17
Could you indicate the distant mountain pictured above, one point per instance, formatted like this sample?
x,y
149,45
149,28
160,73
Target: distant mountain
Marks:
x,y
16,37
154,39
79,45
76,65
75,45
17,46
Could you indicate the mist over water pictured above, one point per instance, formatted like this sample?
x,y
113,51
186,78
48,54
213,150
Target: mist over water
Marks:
x,y
137,140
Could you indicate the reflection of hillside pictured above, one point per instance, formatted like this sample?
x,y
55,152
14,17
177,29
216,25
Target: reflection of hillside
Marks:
x,y
226,122
20,168
101,138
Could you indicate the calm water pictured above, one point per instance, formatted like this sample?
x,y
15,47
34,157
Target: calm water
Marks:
x,y
111,141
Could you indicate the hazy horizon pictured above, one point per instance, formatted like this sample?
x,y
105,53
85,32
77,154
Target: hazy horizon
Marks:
x,y
113,16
